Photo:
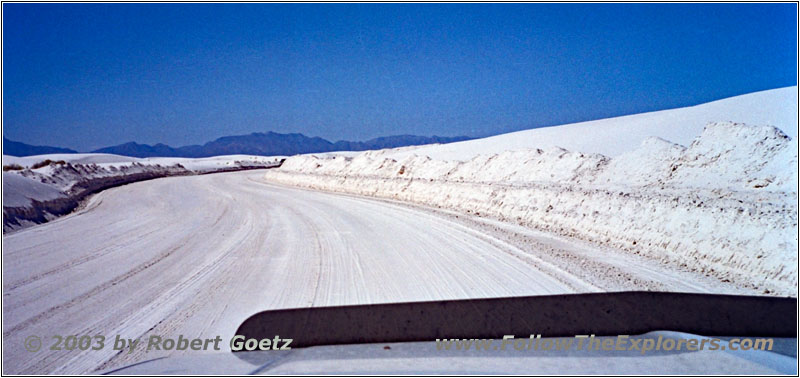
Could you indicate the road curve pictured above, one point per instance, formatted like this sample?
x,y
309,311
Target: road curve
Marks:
x,y
195,256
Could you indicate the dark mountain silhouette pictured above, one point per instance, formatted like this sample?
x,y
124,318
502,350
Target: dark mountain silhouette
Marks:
x,y
271,143
266,144
13,148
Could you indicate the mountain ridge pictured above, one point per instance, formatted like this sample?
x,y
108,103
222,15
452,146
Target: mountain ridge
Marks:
x,y
14,148
257,143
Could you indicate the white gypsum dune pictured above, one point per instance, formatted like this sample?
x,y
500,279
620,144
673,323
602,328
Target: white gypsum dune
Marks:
x,y
614,136
721,203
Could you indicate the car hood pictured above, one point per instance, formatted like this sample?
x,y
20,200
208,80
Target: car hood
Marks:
x,y
425,358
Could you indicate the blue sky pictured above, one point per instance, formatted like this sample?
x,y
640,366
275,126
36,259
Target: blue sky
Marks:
x,y
86,76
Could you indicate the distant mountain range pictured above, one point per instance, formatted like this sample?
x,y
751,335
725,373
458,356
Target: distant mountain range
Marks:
x,y
13,148
265,144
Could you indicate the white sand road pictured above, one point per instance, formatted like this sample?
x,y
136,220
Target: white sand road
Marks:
x,y
197,255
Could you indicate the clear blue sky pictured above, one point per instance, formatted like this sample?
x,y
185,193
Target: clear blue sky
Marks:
x,y
86,76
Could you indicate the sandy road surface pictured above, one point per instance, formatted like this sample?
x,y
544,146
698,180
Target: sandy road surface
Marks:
x,y
195,256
